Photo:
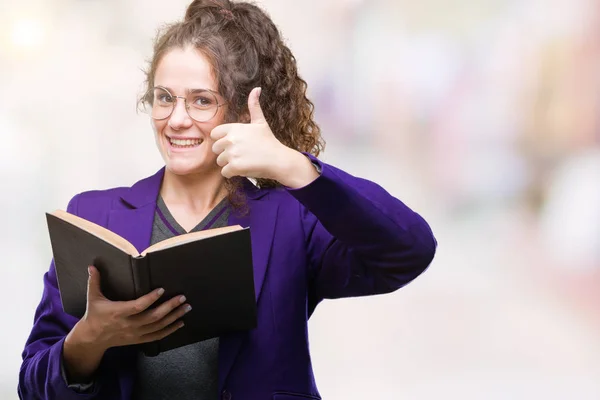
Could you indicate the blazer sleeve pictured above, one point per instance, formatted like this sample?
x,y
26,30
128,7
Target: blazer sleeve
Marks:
x,y
360,240
40,376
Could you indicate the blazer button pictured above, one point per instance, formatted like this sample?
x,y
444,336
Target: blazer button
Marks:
x,y
225,395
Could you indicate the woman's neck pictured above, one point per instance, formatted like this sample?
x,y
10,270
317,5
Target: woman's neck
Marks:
x,y
195,192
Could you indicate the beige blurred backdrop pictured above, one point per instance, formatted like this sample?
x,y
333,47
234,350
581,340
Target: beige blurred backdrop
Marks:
x,y
482,115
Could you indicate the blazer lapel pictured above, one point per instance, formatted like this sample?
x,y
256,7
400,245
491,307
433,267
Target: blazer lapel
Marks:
x,y
133,224
133,219
262,219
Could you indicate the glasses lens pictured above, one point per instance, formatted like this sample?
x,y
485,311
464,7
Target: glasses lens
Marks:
x,y
159,103
202,105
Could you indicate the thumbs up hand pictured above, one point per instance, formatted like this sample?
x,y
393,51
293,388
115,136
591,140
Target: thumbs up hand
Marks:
x,y
252,150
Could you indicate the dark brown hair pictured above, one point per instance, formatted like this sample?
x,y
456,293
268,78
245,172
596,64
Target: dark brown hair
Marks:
x,y
246,50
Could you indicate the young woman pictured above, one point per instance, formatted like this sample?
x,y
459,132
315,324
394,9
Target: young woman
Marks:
x,y
227,104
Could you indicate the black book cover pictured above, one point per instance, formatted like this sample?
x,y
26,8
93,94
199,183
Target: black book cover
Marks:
x,y
215,274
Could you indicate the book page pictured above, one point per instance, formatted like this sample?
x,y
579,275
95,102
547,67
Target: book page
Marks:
x,y
191,237
98,231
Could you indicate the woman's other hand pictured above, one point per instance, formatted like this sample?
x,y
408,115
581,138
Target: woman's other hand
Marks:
x,y
109,324
119,323
252,150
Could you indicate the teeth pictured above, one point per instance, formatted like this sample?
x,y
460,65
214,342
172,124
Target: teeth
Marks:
x,y
185,142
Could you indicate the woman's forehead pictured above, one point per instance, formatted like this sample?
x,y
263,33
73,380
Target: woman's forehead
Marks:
x,y
181,70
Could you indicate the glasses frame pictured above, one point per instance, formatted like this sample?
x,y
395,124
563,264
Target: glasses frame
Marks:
x,y
150,94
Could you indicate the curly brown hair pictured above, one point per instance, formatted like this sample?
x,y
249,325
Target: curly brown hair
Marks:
x,y
246,50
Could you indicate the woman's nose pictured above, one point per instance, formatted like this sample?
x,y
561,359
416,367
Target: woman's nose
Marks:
x,y
179,117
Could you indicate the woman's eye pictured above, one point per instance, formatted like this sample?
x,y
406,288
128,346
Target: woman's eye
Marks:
x,y
164,98
202,102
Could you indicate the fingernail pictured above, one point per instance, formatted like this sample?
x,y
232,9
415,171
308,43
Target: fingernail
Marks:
x,y
188,308
182,299
259,91
161,291
181,324
89,270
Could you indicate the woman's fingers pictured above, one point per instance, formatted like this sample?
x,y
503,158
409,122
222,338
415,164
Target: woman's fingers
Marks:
x,y
141,304
163,333
166,320
156,314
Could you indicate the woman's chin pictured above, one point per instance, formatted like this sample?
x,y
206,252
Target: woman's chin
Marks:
x,y
182,168
178,169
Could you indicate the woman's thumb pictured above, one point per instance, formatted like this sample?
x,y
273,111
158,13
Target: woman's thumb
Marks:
x,y
93,288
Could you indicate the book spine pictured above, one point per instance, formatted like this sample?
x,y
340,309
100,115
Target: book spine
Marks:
x,y
143,285
141,276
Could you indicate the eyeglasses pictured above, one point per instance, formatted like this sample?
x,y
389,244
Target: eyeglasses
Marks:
x,y
201,104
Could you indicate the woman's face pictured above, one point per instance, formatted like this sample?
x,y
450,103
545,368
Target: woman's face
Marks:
x,y
184,143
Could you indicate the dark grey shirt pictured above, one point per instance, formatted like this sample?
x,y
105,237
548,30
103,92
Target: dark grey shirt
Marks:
x,y
189,372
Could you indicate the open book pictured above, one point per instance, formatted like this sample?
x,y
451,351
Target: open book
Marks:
x,y
212,268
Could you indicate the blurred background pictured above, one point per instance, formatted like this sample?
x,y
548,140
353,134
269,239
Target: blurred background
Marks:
x,y
482,115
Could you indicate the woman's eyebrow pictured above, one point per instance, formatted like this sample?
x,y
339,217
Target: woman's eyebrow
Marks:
x,y
188,91
191,91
